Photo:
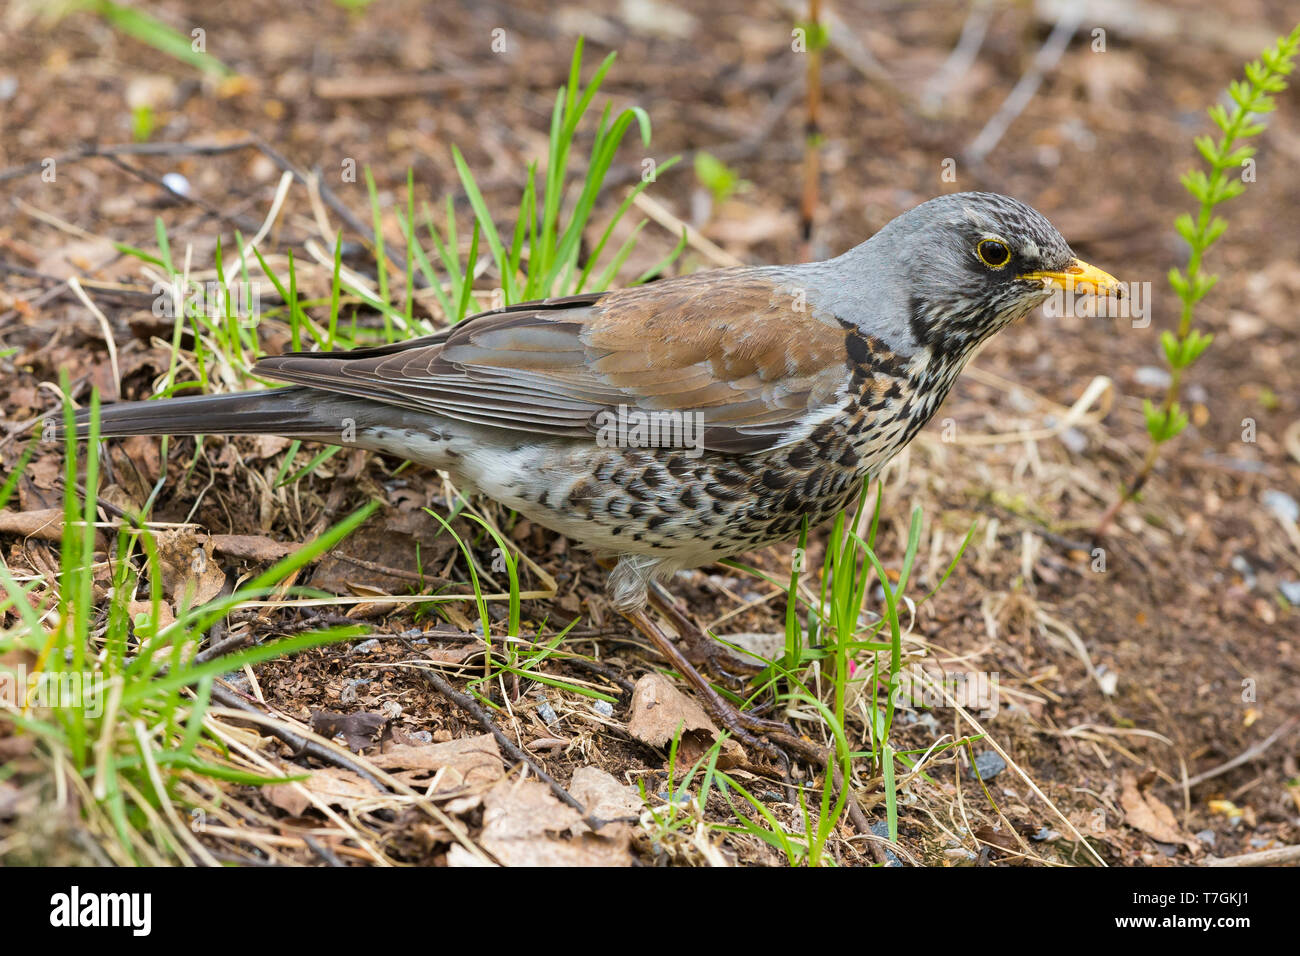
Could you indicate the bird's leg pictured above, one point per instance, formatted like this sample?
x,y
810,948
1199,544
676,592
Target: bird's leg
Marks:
x,y
738,722
700,649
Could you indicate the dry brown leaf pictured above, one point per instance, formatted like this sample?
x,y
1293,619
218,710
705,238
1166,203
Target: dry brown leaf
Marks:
x,y
455,653
659,709
46,524
359,730
331,785
77,258
165,616
143,451
44,471
189,573
1144,811
603,796
465,762
996,836
525,825
250,547
267,446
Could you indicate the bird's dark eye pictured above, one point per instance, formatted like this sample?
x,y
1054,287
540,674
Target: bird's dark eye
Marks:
x,y
993,253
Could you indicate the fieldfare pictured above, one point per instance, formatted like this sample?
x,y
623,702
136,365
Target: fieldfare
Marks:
x,y
683,421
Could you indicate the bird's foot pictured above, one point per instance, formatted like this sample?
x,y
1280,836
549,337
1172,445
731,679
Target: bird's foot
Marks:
x,y
698,647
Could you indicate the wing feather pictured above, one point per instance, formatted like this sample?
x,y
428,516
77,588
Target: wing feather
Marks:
x,y
736,347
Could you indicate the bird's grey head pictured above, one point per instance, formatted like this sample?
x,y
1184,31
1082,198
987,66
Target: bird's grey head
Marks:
x,y
952,271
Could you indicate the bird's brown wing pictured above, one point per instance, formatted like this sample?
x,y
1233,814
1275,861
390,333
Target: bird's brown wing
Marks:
x,y
732,346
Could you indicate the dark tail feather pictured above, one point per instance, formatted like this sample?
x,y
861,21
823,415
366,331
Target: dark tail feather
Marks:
x,y
289,412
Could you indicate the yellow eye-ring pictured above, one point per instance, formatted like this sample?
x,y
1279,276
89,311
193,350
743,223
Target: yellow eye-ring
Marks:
x,y
993,253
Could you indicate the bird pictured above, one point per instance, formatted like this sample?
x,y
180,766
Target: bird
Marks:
x,y
673,424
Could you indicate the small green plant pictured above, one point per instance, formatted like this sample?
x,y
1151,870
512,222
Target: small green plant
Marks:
x,y
543,256
118,701
1229,163
856,655
142,123
717,177
147,29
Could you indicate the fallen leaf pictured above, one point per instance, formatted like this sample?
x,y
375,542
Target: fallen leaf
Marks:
x,y
267,446
165,616
995,836
464,762
331,785
46,524
359,730
250,547
602,796
525,825
660,710
1144,811
190,575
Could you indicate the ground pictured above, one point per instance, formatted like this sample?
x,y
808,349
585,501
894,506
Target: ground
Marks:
x,y
1127,666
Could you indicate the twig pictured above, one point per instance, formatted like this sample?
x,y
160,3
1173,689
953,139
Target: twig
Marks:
x,y
1274,857
1044,62
245,224
484,719
962,56
1247,755
324,852
125,149
346,214
104,327
812,130
847,44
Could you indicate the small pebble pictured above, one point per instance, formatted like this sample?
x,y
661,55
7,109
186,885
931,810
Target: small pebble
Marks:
x,y
604,708
1151,376
349,693
1291,591
1207,837
881,829
366,647
238,681
391,709
989,764
1281,504
177,183
1075,440
1242,567
547,713
421,736
1046,835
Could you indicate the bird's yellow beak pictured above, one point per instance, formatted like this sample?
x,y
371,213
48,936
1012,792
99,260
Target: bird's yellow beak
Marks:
x,y
1078,276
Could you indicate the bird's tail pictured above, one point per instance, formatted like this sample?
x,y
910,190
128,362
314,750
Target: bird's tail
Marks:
x,y
288,412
